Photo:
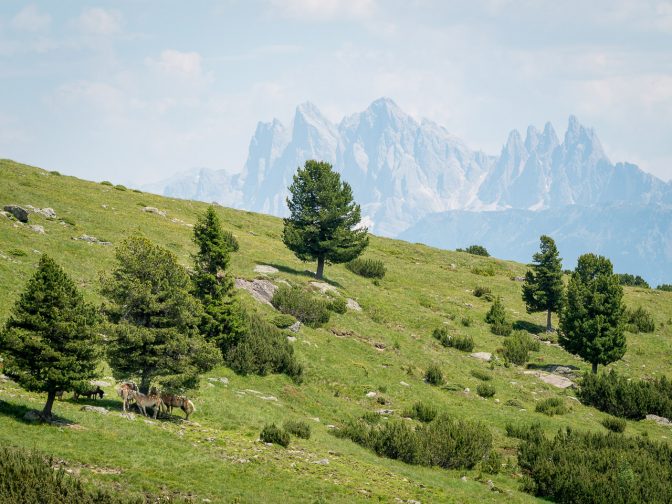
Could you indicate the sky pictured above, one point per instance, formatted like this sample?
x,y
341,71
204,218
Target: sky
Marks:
x,y
134,91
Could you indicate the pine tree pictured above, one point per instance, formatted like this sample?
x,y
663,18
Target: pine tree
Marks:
x,y
543,288
591,321
154,319
323,218
213,285
49,342
497,319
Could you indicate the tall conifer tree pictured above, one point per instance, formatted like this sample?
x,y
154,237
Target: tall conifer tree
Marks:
x,y
49,342
543,288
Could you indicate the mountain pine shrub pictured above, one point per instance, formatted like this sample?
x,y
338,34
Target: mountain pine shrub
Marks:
x,y
481,375
463,343
298,428
614,424
484,292
271,433
434,375
551,406
368,268
517,347
295,301
422,411
497,319
639,320
485,390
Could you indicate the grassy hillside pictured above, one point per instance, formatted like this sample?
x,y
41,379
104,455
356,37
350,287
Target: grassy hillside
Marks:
x,y
385,348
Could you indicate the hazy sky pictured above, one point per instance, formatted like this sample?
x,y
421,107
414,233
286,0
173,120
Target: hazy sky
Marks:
x,y
136,90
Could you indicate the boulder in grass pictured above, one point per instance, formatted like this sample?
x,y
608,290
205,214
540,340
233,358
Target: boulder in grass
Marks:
x,y
20,213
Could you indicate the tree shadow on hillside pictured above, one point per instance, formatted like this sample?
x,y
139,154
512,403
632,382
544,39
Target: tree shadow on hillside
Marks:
x,y
29,416
303,273
531,327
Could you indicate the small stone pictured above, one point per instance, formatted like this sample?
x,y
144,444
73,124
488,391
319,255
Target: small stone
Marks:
x,y
37,228
371,394
385,412
353,305
265,269
497,401
467,390
323,287
659,420
463,478
154,211
486,356
20,213
404,384
323,461
95,409
291,339
295,327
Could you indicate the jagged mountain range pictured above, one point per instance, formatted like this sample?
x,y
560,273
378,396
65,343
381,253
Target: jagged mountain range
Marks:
x,y
403,171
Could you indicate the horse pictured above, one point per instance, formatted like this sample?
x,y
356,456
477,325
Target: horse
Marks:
x,y
89,393
176,401
143,401
124,391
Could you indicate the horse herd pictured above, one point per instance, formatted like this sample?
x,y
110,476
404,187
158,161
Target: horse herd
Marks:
x,y
129,394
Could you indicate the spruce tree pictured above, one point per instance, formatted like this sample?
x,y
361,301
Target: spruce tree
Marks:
x,y
50,342
497,319
543,288
213,285
591,321
323,218
154,319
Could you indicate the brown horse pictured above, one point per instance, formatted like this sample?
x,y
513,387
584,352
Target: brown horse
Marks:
x,y
124,391
176,401
144,401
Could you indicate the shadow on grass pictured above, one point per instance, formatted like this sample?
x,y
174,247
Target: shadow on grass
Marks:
x,y
29,416
303,273
550,367
524,325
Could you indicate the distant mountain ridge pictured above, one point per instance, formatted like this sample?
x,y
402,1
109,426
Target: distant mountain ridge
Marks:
x,y
403,172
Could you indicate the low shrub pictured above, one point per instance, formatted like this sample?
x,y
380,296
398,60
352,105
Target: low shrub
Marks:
x,y
369,268
551,406
262,349
486,270
271,433
137,191
485,390
478,250
525,432
665,287
295,301
618,396
483,292
614,424
466,321
120,187
443,442
481,375
106,182
632,280
422,411
514,403
492,464
68,221
17,252
338,305
54,172
639,320
283,320
603,468
463,343
298,428
517,347
434,375
231,241
30,478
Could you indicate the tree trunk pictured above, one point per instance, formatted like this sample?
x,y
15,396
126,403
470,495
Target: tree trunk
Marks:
x,y
46,412
145,382
594,367
549,326
320,268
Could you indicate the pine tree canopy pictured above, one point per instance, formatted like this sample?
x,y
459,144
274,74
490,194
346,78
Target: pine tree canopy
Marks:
x,y
591,320
154,318
543,287
50,341
323,217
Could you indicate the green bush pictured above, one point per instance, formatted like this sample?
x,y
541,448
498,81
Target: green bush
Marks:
x,y
54,172
483,292
631,280
443,442
625,398
665,287
298,428
466,321
434,375
614,424
263,349
369,268
551,406
492,464
274,434
530,432
120,187
497,319
338,305
137,191
282,320
106,182
30,478
295,301
481,375
463,343
231,241
514,403
517,347
601,468
68,221
422,411
486,270
485,390
478,250
17,252
639,320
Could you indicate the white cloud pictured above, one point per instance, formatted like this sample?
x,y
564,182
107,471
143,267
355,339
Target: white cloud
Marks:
x,y
324,10
98,21
180,63
32,19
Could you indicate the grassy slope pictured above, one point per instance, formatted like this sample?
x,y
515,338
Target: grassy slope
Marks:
x,y
219,458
